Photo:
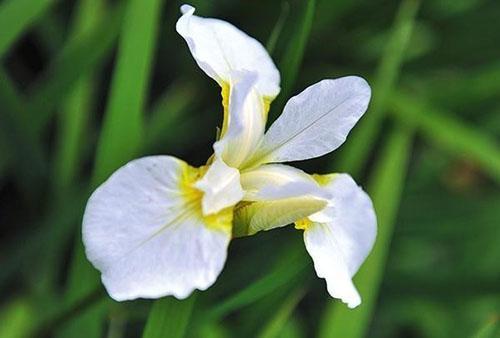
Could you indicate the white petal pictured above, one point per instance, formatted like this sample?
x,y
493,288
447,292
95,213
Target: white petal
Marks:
x,y
277,181
246,121
143,230
219,48
276,195
329,264
339,247
221,187
316,121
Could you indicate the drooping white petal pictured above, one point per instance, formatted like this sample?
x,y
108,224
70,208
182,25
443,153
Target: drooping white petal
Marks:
x,y
246,120
339,247
315,122
221,187
219,48
329,263
143,230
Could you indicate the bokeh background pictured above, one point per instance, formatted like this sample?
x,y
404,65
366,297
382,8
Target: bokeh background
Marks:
x,y
86,85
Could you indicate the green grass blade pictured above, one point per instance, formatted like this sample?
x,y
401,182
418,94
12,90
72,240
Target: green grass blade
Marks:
x,y
123,122
25,150
449,133
169,317
385,188
278,28
81,55
275,325
354,153
287,269
17,318
73,120
168,112
294,53
16,16
490,329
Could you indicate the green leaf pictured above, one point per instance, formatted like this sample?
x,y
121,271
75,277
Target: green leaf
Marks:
x,y
277,322
490,329
20,139
16,16
294,52
123,121
79,56
288,267
167,113
122,129
73,120
17,318
448,132
169,317
354,152
385,189
278,28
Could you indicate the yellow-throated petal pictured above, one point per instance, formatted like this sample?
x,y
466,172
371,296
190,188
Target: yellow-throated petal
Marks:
x,y
144,230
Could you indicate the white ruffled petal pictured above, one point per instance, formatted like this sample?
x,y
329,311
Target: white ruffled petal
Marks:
x,y
143,230
220,48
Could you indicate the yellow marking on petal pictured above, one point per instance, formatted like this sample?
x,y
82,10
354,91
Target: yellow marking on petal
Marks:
x,y
193,197
222,220
225,104
323,180
267,105
303,224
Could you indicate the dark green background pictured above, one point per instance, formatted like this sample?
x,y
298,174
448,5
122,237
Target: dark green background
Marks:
x,y
87,85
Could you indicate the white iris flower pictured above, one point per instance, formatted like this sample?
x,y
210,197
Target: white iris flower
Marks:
x,y
160,227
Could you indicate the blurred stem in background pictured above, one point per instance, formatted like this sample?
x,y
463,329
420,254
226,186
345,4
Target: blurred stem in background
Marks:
x,y
385,188
386,185
78,107
452,106
354,153
120,138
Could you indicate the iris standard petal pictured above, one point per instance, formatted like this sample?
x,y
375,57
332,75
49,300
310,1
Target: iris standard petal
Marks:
x,y
143,229
316,121
246,120
220,48
339,247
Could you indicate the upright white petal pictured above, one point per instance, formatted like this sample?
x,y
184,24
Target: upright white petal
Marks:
x,y
246,121
219,48
221,187
144,231
339,247
316,121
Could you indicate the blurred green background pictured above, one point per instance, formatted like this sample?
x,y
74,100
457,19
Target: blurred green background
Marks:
x,y
86,85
